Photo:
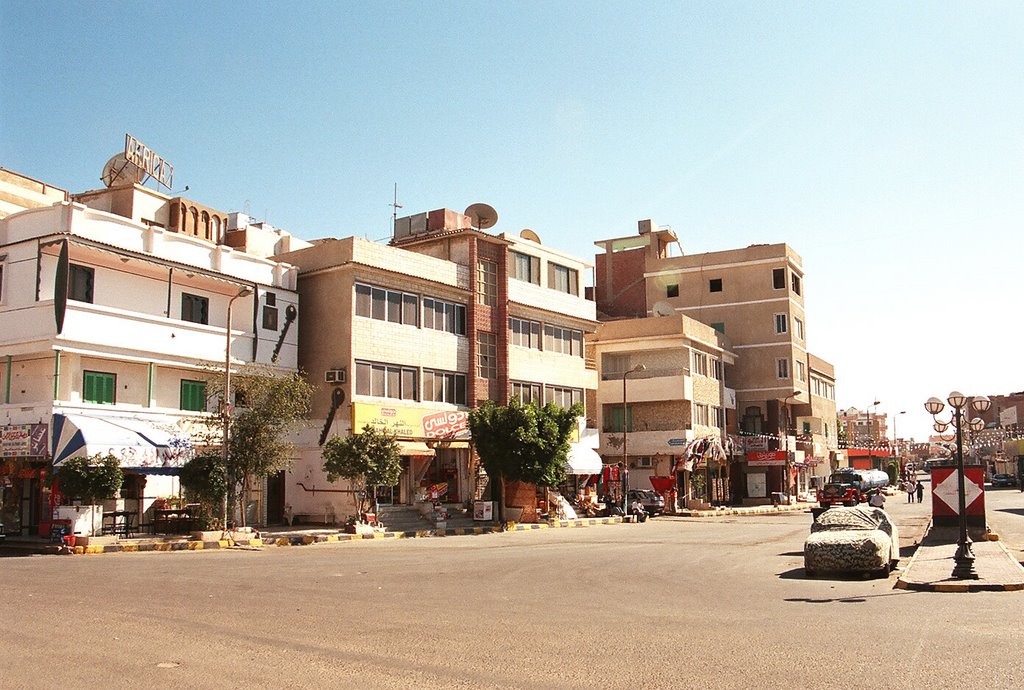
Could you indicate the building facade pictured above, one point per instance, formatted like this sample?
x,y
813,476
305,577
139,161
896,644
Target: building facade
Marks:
x,y
111,322
408,337
755,297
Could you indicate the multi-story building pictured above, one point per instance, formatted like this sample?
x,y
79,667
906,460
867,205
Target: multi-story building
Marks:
x,y
114,309
408,337
755,297
662,389
865,436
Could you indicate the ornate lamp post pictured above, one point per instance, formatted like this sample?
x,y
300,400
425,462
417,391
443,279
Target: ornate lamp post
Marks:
x,y
625,458
964,558
895,440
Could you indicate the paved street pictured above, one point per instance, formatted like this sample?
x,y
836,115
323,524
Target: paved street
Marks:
x,y
670,603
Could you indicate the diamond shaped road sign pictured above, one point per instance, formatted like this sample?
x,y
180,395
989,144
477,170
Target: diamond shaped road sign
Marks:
x,y
946,491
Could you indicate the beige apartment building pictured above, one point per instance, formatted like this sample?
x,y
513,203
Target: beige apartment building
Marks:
x,y
662,388
408,337
755,297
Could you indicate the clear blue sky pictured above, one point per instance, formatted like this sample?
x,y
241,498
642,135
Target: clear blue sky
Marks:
x,y
883,141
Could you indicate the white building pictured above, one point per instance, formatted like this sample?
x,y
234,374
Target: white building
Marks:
x,y
113,311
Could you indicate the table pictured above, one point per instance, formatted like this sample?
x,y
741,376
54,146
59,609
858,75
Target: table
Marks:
x,y
173,520
122,523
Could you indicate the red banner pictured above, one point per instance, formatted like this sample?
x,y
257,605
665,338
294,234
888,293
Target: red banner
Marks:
x,y
766,458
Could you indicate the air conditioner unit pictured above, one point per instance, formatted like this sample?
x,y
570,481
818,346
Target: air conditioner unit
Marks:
x,y
334,376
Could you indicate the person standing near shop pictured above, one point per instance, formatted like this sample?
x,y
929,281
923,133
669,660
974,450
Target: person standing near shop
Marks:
x,y
920,491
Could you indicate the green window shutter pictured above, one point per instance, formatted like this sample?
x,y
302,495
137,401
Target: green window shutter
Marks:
x,y
98,387
193,395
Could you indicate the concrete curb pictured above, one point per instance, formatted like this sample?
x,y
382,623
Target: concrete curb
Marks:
x,y
750,510
966,586
307,540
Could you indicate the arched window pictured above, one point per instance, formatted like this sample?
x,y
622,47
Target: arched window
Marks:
x,y
206,225
216,229
194,229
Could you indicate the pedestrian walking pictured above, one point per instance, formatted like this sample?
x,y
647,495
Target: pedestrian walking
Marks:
x,y
909,488
920,492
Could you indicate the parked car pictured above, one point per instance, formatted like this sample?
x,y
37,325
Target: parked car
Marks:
x,y
653,503
852,540
1001,479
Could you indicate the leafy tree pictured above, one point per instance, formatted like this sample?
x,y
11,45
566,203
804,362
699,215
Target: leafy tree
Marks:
x,y
205,481
366,459
94,478
523,442
269,405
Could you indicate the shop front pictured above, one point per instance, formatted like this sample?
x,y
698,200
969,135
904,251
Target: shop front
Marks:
x,y
434,445
24,477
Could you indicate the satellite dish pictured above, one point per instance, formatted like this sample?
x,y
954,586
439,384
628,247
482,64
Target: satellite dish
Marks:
x,y
119,170
528,234
482,216
663,308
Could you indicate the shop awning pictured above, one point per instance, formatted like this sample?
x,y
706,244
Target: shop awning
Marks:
x,y
413,448
583,460
137,444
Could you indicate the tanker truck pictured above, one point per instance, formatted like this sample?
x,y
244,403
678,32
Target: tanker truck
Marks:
x,y
849,486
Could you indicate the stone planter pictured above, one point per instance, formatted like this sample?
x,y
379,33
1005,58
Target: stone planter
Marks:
x,y
206,535
95,541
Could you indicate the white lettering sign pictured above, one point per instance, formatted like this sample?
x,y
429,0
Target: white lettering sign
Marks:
x,y
147,159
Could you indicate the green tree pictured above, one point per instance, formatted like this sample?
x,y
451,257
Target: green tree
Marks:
x,y
523,442
366,459
91,479
269,405
206,482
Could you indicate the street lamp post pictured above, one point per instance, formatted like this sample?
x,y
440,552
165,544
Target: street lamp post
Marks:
x,y
225,404
871,430
895,439
787,469
625,458
964,558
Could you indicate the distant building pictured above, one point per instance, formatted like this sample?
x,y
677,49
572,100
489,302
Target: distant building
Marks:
x,y
755,297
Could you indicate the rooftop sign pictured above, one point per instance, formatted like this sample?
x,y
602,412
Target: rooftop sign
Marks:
x,y
148,161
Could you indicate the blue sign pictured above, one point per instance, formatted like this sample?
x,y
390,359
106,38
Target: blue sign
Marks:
x,y
677,441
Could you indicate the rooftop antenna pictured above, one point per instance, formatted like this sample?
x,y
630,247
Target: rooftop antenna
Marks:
x,y
394,208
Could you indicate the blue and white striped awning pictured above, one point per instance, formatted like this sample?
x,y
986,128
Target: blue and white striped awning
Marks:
x,y
137,444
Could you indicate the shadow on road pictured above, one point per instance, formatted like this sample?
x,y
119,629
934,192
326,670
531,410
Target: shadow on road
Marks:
x,y
800,574
1014,511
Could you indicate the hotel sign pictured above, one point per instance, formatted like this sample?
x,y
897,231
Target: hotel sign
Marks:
x,y
148,161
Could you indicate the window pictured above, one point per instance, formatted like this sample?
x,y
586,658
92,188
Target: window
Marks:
x,y
615,418
444,386
444,316
801,371
718,416
193,395
781,323
719,326
99,387
700,363
270,311
195,308
716,369
782,368
386,381
80,283
487,283
700,414
526,268
524,333
796,284
527,392
779,278
807,428
487,355
564,340
715,285
672,290
387,305
563,397
798,328
3,259
563,279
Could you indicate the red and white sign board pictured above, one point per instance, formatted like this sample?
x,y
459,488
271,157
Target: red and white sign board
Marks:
x,y
945,491
766,458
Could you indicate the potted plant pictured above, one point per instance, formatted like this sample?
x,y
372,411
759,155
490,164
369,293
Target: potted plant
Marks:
x,y
93,479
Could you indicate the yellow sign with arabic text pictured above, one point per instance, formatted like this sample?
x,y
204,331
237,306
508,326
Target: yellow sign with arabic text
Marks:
x,y
411,422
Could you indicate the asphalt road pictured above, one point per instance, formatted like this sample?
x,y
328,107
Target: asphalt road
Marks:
x,y
669,603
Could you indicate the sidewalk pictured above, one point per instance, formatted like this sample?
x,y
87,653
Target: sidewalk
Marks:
x,y
281,536
797,507
931,566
